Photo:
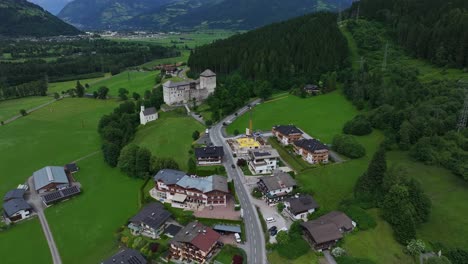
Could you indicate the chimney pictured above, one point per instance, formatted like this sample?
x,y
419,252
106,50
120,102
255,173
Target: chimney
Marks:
x,y
142,108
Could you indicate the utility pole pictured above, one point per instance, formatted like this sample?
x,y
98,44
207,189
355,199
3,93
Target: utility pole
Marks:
x,y
384,63
464,113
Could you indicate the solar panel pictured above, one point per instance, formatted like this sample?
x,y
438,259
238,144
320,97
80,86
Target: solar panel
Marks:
x,y
60,194
71,191
134,260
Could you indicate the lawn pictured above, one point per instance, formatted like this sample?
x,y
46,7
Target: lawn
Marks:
x,y
85,227
376,244
448,222
169,136
63,86
133,81
226,254
321,116
11,108
24,236
309,258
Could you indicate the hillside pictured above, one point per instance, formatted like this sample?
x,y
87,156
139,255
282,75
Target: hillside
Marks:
x,y
436,30
279,52
189,14
21,18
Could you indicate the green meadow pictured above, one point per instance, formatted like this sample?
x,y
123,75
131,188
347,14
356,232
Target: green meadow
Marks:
x,y
169,136
133,81
64,86
11,108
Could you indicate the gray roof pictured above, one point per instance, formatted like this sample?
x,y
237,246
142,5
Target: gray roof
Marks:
x,y
126,256
310,145
172,229
228,228
13,206
169,176
301,204
322,232
204,184
14,194
153,215
264,154
209,152
49,174
208,73
340,219
287,129
171,84
279,180
149,111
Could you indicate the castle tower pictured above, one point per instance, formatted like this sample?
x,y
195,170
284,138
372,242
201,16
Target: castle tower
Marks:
x,y
208,81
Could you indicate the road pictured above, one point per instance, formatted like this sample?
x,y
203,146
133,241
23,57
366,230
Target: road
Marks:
x,y
256,241
38,206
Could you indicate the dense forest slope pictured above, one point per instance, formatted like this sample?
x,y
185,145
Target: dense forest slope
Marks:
x,y
21,18
436,30
304,47
189,14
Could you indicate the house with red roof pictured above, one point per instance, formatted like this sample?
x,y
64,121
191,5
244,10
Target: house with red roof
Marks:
x,y
194,243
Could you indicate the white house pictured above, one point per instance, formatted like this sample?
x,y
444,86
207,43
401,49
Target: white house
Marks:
x,y
277,187
148,115
300,206
263,161
185,91
17,209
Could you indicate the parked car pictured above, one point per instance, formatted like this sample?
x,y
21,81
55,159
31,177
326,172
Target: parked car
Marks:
x,y
270,220
273,232
272,228
238,238
233,166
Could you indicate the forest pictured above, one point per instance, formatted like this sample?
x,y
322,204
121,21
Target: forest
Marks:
x,y
70,59
436,30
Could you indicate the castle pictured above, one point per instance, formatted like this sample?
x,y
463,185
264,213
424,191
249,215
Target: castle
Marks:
x,y
184,92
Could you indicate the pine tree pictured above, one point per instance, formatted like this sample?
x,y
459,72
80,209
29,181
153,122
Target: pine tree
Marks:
x,y
80,90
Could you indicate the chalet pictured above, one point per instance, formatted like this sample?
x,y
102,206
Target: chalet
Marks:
x,y
126,256
276,187
148,115
16,209
170,70
287,134
209,155
150,221
14,194
194,243
183,191
263,161
300,206
50,178
312,89
311,150
325,231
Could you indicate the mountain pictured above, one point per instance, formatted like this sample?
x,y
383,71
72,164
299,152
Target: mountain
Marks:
x,y
22,18
53,6
189,14
281,53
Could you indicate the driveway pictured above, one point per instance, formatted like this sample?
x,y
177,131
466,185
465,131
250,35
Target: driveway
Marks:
x,y
330,259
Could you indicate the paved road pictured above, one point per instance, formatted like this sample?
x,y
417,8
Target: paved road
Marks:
x,y
330,259
38,206
256,241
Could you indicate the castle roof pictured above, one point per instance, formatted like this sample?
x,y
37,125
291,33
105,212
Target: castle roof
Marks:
x,y
208,73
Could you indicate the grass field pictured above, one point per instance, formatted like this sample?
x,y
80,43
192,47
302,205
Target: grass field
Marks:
x,y
84,228
133,81
11,108
63,86
24,236
320,116
448,194
169,136
309,258
376,244
226,254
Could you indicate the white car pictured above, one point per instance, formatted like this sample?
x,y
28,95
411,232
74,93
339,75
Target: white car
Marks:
x,y
238,238
270,220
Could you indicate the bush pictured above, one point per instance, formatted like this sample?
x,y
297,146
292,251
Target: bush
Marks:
x,y
415,247
352,260
241,162
458,256
338,252
256,193
358,126
23,112
209,122
348,146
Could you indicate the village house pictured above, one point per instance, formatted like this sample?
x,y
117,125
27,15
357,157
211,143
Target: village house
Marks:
x,y
277,187
263,161
209,155
286,134
126,256
312,89
50,178
311,150
60,195
194,243
149,221
148,115
170,70
325,231
15,208
190,192
300,206
176,93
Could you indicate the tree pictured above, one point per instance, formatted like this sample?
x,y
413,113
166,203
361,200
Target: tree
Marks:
x,y
236,132
56,96
282,237
80,90
157,164
147,95
123,94
280,207
348,146
196,135
127,160
398,211
194,104
111,153
415,247
241,162
358,126
438,260
136,96
102,92
192,166
23,112
405,135
142,163
338,252
458,256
